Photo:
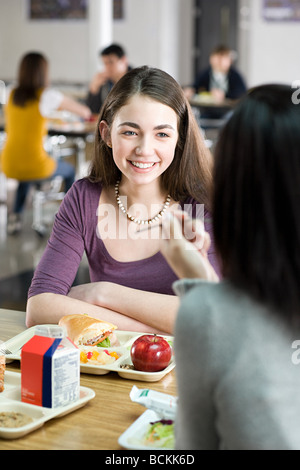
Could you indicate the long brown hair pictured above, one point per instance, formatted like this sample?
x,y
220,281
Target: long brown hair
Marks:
x,y
31,79
190,173
256,203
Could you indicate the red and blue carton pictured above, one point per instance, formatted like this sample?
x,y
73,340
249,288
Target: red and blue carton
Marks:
x,y
50,371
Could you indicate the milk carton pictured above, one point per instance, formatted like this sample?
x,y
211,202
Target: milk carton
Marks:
x,y
50,369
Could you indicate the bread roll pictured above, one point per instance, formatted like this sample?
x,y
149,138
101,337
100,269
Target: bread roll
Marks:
x,y
86,330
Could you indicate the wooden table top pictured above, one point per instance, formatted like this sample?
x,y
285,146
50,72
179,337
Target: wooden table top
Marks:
x,y
96,426
207,101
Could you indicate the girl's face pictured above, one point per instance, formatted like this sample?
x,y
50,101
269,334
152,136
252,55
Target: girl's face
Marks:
x,y
143,137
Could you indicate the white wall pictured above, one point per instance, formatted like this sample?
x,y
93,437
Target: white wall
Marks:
x,y
150,32
271,48
65,43
158,33
154,32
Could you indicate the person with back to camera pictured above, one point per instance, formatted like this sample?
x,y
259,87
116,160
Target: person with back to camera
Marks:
x,y
115,63
234,340
23,156
149,158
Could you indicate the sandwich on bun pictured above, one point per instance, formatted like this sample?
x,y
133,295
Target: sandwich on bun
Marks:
x,y
84,330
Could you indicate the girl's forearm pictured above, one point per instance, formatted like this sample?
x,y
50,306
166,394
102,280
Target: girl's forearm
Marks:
x,y
49,308
73,106
156,310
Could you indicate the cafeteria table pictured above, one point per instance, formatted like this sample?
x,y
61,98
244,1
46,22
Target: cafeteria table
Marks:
x,y
211,114
78,132
100,422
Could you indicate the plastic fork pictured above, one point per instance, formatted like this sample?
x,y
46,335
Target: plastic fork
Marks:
x,y
4,350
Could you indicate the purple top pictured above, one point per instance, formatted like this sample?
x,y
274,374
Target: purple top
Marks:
x,y
75,231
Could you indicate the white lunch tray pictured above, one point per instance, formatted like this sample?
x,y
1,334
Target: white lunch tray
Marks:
x,y
133,437
126,338
10,400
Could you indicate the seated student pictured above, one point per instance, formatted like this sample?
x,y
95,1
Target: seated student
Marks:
x,y
149,156
236,366
221,79
23,157
115,63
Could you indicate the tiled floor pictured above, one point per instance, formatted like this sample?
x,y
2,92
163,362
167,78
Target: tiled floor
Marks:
x,y
20,254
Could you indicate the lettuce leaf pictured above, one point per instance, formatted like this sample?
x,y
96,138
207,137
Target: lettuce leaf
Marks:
x,y
161,434
104,344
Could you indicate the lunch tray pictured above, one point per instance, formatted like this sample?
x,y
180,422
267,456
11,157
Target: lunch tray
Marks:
x,y
10,400
126,338
133,437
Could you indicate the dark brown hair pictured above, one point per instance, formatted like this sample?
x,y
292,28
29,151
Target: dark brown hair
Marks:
x,y
190,172
221,50
32,78
114,49
256,203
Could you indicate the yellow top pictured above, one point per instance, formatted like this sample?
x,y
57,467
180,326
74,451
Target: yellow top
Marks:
x,y
23,156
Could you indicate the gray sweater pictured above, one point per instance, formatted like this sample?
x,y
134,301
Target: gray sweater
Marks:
x,y
238,386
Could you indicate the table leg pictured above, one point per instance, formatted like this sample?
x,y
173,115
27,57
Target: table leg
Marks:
x,y
81,157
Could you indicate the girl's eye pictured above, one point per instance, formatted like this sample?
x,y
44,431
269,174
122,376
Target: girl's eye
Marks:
x,y
130,133
162,134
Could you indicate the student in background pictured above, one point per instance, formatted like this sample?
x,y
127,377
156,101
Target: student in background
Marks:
x,y
115,63
236,340
220,78
23,157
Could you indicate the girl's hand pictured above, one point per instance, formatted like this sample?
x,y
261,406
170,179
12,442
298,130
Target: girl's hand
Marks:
x,y
185,245
95,293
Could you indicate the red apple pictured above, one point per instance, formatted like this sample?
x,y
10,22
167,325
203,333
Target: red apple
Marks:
x,y
150,353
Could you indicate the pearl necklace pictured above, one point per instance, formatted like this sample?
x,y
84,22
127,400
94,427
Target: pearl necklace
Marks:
x,y
134,219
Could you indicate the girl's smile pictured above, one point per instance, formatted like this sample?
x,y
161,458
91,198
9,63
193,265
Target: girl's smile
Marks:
x,y
142,166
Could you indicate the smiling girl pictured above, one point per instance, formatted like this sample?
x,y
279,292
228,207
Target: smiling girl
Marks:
x,y
149,159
